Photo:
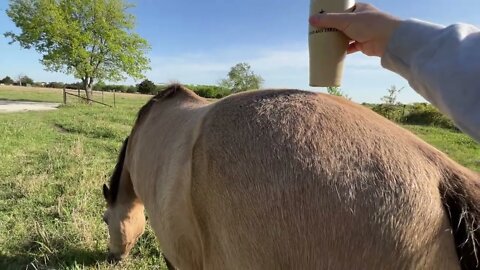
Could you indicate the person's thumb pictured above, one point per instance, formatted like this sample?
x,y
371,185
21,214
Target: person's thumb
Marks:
x,y
339,21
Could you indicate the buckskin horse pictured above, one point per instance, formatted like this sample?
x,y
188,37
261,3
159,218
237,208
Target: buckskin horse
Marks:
x,y
287,179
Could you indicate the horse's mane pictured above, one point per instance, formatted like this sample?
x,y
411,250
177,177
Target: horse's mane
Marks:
x,y
117,173
142,113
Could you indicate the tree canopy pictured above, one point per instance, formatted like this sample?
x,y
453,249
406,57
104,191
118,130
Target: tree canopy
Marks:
x,y
7,80
242,78
147,87
89,39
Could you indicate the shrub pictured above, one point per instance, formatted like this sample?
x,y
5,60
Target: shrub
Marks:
x,y
209,91
114,87
147,87
99,86
131,89
390,111
77,85
415,114
55,85
426,114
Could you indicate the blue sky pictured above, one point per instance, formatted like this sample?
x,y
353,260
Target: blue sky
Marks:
x,y
198,41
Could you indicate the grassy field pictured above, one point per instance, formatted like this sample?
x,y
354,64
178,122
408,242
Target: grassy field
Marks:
x,y
54,163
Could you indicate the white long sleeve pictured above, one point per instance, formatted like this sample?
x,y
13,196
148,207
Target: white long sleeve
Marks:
x,y
443,65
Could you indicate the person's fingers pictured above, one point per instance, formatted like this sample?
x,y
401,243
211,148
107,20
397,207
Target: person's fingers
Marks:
x,y
340,21
353,47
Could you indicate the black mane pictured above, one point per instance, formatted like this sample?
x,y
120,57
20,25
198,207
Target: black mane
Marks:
x,y
117,173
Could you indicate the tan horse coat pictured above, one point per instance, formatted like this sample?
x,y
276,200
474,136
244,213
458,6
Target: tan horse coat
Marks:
x,y
285,179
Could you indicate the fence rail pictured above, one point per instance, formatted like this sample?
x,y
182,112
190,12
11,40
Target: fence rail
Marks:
x,y
65,93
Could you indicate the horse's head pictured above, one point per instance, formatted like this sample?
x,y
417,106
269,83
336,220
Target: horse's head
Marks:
x,y
125,213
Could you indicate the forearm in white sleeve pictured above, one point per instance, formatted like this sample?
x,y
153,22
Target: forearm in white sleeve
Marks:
x,y
443,65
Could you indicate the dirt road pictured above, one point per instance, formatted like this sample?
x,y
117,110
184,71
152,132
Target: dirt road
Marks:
x,y
7,106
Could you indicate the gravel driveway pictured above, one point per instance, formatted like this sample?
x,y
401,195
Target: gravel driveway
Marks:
x,y
7,106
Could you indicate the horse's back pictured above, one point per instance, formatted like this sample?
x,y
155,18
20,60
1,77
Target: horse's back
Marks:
x,y
296,180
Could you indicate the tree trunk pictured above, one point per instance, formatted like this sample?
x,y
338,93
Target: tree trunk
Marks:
x,y
88,87
88,92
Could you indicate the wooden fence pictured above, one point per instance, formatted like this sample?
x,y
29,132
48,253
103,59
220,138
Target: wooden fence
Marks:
x,y
68,92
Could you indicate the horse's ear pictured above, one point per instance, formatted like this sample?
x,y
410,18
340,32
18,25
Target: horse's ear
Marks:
x,y
106,192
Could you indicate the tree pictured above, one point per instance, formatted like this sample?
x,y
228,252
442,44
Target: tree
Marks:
x,y
241,78
391,97
147,87
336,91
390,108
7,80
89,39
24,80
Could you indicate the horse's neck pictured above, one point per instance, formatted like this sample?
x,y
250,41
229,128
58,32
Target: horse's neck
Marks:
x,y
161,173
162,153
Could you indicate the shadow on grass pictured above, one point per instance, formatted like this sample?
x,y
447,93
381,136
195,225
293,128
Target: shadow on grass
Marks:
x,y
67,258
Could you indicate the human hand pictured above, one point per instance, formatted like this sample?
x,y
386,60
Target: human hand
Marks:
x,y
368,28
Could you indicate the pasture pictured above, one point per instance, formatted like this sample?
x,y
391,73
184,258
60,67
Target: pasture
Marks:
x,y
53,165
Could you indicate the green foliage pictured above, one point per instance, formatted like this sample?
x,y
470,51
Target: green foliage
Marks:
x,y
414,114
7,80
24,80
115,88
131,89
390,111
426,114
89,39
210,91
74,85
391,97
147,87
55,85
99,86
336,91
241,78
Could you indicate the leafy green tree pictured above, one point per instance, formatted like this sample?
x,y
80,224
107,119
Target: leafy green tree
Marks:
x,y
7,80
24,80
90,39
147,87
391,108
391,97
336,91
242,78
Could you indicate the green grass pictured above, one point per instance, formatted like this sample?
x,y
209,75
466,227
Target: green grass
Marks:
x,y
54,163
456,145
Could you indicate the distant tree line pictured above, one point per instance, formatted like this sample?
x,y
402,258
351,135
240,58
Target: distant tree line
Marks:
x,y
240,78
145,87
21,80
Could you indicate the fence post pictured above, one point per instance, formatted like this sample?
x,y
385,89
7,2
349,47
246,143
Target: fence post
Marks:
x,y
64,96
102,96
114,103
78,91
